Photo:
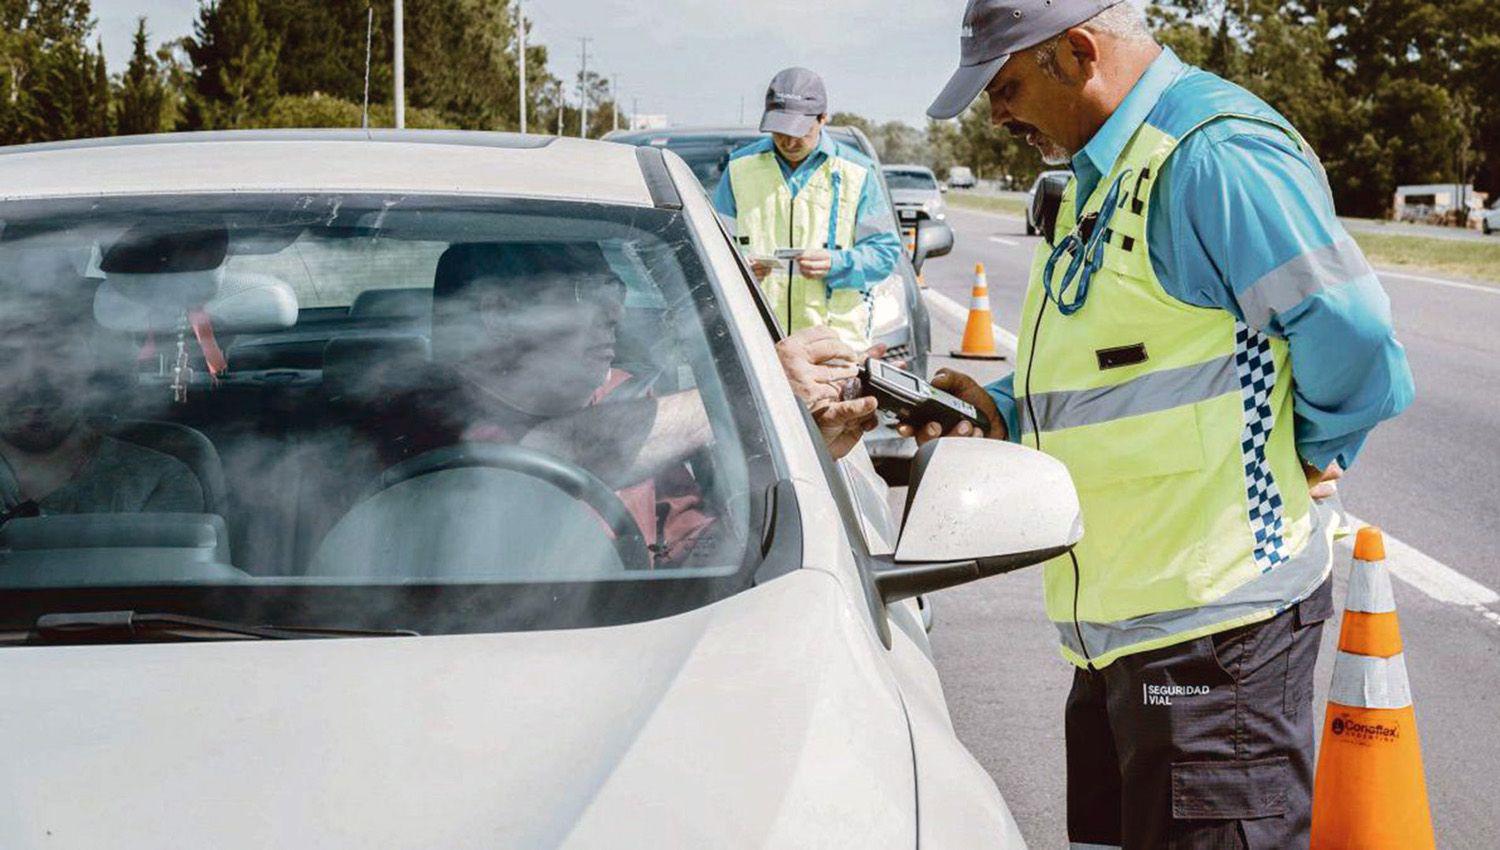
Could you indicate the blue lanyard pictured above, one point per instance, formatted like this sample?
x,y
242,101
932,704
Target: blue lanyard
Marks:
x,y
1087,253
833,212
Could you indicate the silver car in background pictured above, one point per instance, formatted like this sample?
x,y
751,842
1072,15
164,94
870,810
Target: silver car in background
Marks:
x,y
916,193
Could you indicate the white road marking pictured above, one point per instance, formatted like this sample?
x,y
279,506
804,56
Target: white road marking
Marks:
x,y
960,315
1439,581
1003,241
1456,284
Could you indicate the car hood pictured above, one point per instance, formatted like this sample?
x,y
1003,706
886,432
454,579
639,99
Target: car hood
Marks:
x,y
761,721
914,196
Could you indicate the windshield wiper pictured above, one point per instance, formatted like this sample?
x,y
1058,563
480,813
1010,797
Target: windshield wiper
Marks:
x,y
134,627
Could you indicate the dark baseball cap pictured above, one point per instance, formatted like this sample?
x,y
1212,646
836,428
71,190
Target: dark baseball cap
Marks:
x,y
993,30
794,101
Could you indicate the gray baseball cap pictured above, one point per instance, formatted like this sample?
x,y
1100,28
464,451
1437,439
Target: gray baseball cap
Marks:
x,y
995,29
794,101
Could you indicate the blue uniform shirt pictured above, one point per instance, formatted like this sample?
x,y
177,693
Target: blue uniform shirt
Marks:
x,y
1242,220
876,244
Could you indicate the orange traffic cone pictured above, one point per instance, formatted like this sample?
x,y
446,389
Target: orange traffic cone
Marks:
x,y
1370,791
979,331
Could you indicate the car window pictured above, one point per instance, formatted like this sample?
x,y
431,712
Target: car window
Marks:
x,y
420,412
899,179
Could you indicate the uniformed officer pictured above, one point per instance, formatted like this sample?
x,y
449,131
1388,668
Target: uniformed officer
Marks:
x,y
1205,348
801,190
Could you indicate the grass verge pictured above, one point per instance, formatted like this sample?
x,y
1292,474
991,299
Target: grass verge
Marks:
x,y
987,203
1478,261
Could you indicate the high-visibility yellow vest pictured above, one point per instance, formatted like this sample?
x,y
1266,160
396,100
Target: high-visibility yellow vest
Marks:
x,y
1175,422
821,215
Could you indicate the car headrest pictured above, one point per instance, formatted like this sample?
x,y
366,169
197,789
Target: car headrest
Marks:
x,y
413,303
453,329
236,302
463,262
359,368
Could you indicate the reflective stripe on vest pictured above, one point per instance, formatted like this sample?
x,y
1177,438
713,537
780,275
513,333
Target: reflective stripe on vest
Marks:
x,y
822,215
1195,508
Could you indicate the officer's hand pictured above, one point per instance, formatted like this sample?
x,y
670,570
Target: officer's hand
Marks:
x,y
815,263
1322,483
817,365
967,389
761,268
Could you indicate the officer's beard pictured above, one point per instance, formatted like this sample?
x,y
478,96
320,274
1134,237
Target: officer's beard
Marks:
x,y
1052,153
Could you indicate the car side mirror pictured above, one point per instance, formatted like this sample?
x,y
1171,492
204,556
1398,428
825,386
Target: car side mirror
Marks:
x,y
934,239
1045,204
978,508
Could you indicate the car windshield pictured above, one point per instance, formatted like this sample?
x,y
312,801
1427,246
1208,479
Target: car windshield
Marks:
x,y
413,412
899,179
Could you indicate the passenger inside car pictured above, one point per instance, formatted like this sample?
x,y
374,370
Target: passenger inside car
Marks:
x,y
52,461
528,335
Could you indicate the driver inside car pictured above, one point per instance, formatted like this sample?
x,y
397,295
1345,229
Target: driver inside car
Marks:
x,y
51,460
529,336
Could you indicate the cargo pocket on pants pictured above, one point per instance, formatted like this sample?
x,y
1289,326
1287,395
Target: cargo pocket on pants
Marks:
x,y
1210,798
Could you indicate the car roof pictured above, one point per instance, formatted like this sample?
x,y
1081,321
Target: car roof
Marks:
x,y
414,161
918,168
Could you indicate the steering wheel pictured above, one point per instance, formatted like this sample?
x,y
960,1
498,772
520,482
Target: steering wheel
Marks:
x,y
568,477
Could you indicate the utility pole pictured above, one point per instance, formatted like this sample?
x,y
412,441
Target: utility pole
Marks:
x,y
614,98
364,120
635,113
398,31
520,54
583,90
742,109
561,107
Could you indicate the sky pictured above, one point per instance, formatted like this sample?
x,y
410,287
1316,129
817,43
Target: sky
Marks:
x,y
695,60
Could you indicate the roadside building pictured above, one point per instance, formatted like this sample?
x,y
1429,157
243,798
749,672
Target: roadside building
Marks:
x,y
1434,203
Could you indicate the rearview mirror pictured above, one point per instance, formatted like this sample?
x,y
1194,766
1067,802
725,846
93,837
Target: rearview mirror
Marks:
x,y
978,508
934,239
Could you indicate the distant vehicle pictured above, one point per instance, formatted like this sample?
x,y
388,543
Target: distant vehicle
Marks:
x,y
1033,214
368,641
916,193
901,317
1490,222
960,177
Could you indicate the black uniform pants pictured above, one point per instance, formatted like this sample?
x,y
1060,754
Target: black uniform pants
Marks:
x,y
1207,744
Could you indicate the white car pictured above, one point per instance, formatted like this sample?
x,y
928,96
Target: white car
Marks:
x,y
417,584
1490,219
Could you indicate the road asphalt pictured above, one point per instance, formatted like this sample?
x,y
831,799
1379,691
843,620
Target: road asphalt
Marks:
x,y
1428,479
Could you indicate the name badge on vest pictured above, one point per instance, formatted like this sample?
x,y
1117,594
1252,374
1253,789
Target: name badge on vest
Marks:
x,y
1124,355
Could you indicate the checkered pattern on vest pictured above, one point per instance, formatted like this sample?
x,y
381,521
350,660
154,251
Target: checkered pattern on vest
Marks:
x,y
1256,369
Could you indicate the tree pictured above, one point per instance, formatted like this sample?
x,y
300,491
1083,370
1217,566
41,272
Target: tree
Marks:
x,y
142,106
52,83
234,59
320,110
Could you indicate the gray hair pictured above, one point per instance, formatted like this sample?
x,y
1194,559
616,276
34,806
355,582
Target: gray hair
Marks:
x,y
1125,21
